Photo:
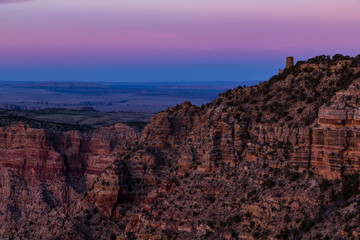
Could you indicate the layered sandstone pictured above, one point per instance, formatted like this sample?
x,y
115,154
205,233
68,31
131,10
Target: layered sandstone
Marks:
x,y
51,168
252,164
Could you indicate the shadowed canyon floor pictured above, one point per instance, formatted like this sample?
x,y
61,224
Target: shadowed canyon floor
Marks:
x,y
278,160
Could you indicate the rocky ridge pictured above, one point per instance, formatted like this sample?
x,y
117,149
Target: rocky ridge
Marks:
x,y
276,160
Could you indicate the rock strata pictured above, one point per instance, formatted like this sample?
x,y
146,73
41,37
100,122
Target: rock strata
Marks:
x,y
48,169
279,160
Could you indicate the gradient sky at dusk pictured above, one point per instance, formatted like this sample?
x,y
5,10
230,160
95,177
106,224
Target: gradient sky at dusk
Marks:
x,y
169,40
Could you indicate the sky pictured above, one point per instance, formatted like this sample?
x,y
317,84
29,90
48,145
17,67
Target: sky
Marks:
x,y
169,40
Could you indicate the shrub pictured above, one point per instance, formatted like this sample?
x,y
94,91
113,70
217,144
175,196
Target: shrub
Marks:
x,y
283,234
293,176
237,218
309,100
256,235
207,234
337,57
324,185
346,78
306,224
318,236
252,224
96,210
130,235
211,224
88,216
287,218
269,183
350,185
309,120
319,59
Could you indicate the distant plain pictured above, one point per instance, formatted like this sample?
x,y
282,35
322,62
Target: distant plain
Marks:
x,y
150,97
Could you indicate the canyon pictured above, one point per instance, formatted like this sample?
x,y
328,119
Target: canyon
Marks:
x,y
44,169
278,160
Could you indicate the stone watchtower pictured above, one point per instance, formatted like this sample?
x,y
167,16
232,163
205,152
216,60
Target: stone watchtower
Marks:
x,y
289,64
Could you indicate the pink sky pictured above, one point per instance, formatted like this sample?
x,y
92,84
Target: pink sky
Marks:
x,y
72,32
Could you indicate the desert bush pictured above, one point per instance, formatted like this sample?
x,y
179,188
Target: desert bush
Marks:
x,y
306,224
211,224
350,185
237,218
320,59
293,176
324,185
287,218
284,234
269,183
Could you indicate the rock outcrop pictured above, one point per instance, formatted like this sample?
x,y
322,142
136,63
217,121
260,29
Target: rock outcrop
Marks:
x,y
48,168
276,160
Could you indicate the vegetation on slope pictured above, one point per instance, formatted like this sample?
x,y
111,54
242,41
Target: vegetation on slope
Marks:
x,y
294,96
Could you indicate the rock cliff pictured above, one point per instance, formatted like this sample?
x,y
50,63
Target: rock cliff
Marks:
x,y
275,160
305,118
46,168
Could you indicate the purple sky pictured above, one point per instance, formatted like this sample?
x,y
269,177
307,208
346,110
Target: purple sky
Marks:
x,y
169,39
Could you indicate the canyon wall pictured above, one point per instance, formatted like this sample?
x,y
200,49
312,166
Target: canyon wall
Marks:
x,y
238,160
42,168
204,139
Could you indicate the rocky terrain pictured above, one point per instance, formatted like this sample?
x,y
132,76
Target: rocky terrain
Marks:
x,y
43,168
274,161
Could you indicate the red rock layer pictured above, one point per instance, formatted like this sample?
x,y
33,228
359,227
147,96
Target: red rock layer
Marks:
x,y
52,168
203,139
